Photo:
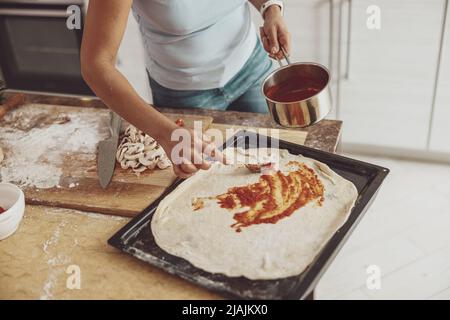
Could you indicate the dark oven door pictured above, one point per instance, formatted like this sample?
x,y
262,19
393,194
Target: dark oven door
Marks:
x,y
38,51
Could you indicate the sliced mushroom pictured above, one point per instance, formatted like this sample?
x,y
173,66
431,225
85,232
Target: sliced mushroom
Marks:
x,y
149,141
159,152
134,151
140,152
120,153
146,159
126,164
150,146
164,163
140,169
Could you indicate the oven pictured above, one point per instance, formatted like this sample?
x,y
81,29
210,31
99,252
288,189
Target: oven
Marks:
x,y
38,52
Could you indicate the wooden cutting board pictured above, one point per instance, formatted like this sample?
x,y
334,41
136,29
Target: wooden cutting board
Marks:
x,y
127,194
78,186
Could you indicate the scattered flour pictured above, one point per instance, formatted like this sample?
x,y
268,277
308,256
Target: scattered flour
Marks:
x,y
34,157
55,265
53,262
57,260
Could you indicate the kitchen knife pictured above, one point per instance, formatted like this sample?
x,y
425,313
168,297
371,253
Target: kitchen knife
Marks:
x,y
107,152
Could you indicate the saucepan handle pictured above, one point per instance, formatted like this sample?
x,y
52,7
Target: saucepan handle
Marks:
x,y
286,57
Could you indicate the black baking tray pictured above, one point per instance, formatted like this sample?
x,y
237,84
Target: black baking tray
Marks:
x,y
135,237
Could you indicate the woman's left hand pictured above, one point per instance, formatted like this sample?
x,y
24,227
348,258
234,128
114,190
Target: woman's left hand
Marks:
x,y
274,33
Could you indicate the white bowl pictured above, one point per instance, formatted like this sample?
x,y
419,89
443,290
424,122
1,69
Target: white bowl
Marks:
x,y
12,200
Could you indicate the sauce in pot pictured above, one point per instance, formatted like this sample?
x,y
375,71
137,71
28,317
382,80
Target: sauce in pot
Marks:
x,y
296,89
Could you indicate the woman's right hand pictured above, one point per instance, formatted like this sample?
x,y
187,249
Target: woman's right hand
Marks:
x,y
191,153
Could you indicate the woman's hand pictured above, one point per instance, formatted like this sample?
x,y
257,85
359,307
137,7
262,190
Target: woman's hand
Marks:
x,y
274,33
188,154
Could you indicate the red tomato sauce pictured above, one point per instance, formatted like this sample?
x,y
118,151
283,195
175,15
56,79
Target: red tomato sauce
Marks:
x,y
296,89
273,197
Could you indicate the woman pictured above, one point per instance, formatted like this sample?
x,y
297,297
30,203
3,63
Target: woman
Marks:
x,y
200,53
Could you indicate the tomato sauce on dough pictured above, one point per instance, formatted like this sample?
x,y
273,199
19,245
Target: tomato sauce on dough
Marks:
x,y
273,197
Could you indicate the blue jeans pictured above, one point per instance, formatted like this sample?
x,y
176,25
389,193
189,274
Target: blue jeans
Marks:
x,y
241,93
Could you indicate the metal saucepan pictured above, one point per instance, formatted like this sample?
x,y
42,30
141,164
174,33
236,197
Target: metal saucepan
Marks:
x,y
298,94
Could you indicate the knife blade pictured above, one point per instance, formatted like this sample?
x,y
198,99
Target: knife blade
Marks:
x,y
107,152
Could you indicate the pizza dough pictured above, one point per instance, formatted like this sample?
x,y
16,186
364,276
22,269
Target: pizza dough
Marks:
x,y
140,152
231,221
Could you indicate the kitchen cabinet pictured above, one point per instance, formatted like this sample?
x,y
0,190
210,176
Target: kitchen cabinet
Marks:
x,y
440,125
387,76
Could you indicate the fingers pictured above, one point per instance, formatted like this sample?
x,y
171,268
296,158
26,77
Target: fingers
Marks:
x,y
200,161
186,169
187,166
274,38
180,173
198,155
274,46
284,39
264,39
211,150
196,159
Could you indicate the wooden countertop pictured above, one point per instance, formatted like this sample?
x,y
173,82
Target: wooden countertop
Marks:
x,y
53,245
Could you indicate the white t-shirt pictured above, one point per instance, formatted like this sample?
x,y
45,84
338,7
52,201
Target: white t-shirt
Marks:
x,y
195,44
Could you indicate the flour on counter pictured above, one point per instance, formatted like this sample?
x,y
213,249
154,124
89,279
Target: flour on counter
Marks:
x,y
33,157
54,262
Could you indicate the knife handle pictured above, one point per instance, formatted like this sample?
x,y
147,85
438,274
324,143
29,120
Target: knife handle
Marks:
x,y
11,103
